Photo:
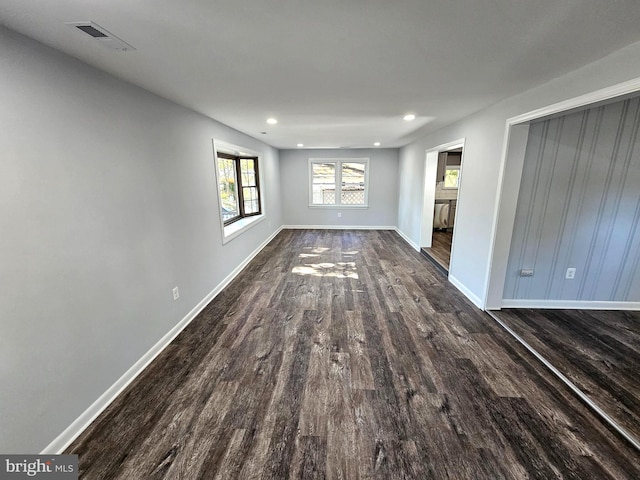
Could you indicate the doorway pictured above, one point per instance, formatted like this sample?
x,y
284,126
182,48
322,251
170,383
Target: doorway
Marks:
x,y
443,182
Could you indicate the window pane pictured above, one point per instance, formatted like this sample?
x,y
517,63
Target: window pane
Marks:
x,y
250,196
324,183
451,178
248,170
353,183
228,193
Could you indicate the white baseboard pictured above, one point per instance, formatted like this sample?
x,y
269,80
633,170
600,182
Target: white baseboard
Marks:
x,y
570,304
407,239
62,441
336,227
453,280
477,301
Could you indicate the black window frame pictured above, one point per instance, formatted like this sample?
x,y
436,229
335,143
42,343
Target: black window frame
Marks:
x,y
240,187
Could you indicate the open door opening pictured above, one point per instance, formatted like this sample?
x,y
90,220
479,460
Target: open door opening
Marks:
x,y
444,206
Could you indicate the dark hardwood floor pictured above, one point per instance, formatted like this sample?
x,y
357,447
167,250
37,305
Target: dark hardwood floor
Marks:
x,y
440,250
599,351
344,354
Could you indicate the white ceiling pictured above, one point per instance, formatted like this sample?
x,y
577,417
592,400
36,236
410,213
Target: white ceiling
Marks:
x,y
335,73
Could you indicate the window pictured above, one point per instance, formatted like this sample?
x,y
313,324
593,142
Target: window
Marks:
x,y
238,186
452,177
338,182
240,197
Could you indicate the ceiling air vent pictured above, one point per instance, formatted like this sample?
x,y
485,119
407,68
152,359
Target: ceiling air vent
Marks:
x,y
102,35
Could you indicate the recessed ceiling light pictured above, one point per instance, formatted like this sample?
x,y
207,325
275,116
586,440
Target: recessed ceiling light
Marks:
x,y
301,144
410,116
377,144
272,121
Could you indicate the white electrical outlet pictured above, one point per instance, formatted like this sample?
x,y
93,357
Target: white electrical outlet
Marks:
x,y
339,214
571,274
176,293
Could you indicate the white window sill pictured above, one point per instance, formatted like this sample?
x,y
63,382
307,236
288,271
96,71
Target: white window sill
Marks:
x,y
236,228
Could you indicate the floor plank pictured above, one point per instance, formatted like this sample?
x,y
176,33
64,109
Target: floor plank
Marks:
x,y
599,351
345,354
440,249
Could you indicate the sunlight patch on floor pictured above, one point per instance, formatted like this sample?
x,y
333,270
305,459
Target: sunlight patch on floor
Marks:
x,y
317,249
309,255
337,270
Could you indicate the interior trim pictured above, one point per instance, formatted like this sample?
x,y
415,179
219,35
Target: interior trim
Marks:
x,y
570,304
608,93
337,227
477,301
415,246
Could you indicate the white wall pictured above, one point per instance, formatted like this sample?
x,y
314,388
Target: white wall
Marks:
x,y
383,189
107,201
484,133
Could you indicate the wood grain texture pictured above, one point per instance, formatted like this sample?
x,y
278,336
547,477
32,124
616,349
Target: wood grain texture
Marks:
x,y
440,250
599,351
345,354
